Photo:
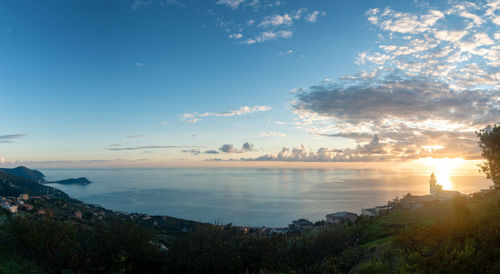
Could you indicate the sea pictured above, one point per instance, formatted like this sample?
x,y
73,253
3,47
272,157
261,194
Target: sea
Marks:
x,y
272,197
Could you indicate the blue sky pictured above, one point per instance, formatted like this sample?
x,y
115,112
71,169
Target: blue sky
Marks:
x,y
161,82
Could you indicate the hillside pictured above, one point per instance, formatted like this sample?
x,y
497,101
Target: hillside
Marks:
x,y
26,173
11,185
71,181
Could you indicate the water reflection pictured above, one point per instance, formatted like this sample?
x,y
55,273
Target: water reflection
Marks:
x,y
248,196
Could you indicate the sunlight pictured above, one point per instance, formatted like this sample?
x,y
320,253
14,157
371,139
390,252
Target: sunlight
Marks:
x,y
443,169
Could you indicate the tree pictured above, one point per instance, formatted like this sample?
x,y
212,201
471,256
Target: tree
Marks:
x,y
489,143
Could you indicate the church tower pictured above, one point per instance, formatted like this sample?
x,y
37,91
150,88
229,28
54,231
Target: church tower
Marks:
x,y
434,188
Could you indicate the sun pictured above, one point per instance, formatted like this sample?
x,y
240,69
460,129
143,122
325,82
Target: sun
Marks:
x,y
443,169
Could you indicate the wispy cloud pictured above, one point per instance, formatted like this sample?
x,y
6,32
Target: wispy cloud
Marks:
x,y
138,136
233,4
272,134
236,36
277,20
313,17
10,138
141,3
195,116
192,151
198,152
146,3
146,147
277,25
288,52
6,28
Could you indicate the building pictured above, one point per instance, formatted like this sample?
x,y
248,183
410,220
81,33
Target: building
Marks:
x,y
27,207
301,225
370,212
341,217
417,202
24,196
374,211
10,208
436,190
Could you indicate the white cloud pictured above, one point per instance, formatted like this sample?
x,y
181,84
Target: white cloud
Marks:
x,y
139,3
288,52
271,35
139,64
426,85
313,17
236,36
277,25
451,36
276,20
234,4
400,22
272,134
195,116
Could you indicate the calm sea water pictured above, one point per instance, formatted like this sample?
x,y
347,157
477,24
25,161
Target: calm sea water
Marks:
x,y
248,196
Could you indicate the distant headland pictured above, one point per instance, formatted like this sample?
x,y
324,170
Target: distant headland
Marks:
x,y
38,177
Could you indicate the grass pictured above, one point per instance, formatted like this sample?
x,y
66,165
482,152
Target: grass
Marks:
x,y
383,228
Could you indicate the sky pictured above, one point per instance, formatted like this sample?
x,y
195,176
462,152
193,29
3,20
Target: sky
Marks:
x,y
245,82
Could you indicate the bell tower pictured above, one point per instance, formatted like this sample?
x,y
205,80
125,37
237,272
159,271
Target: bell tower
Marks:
x,y
434,188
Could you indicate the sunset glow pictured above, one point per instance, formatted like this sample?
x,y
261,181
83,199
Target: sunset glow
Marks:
x,y
444,169
408,81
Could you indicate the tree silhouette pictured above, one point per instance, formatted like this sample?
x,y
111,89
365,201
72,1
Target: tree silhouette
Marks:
x,y
489,143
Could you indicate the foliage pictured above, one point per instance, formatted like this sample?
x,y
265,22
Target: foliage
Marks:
x,y
465,239
58,246
489,143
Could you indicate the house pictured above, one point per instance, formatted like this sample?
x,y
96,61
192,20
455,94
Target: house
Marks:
x,y
28,207
24,197
481,194
417,202
301,225
374,211
341,217
78,215
10,208
370,212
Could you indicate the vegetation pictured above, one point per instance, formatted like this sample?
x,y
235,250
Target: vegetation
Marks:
x,y
462,236
489,143
12,185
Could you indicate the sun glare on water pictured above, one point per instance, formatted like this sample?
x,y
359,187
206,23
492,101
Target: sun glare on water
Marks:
x,y
443,169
